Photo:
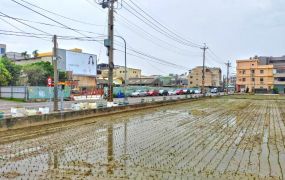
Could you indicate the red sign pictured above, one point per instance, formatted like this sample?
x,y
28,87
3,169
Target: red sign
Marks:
x,y
49,81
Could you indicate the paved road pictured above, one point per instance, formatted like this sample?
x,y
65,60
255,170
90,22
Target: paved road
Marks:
x,y
5,106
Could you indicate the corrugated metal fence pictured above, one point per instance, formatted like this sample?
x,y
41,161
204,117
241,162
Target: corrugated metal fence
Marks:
x,y
31,92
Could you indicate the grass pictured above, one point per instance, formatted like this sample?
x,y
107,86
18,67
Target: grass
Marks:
x,y
13,99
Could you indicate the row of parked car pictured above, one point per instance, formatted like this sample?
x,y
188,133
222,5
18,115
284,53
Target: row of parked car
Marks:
x,y
164,92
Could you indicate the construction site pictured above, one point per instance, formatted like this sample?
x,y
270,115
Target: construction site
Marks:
x,y
232,137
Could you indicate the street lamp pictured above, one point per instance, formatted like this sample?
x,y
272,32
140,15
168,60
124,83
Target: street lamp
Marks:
x,y
125,83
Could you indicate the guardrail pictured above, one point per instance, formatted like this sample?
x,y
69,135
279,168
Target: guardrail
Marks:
x,y
93,104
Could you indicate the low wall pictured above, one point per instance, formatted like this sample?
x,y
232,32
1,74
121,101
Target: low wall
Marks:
x,y
59,117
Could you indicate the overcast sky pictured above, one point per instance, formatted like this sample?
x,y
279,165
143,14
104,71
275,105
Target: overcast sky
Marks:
x,y
233,29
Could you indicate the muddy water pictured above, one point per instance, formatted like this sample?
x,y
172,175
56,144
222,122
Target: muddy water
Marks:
x,y
215,138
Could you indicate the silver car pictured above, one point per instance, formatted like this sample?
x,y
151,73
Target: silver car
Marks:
x,y
138,93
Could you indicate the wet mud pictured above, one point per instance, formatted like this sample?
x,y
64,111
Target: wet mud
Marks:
x,y
220,138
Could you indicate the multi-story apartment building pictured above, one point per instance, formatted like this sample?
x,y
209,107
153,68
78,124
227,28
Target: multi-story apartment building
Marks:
x,y
278,71
212,77
252,76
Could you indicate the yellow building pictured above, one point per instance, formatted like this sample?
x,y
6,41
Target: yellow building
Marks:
x,y
212,77
119,72
252,76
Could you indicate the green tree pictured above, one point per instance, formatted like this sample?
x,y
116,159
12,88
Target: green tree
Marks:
x,y
25,54
5,76
38,73
14,70
35,75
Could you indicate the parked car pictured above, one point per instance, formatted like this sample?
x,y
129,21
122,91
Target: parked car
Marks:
x,y
153,93
179,92
197,91
214,90
138,93
186,91
171,92
163,92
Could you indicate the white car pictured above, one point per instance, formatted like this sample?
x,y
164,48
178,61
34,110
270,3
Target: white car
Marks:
x,y
138,93
171,93
197,91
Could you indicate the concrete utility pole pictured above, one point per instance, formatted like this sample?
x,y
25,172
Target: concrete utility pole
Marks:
x,y
203,76
55,74
228,64
111,48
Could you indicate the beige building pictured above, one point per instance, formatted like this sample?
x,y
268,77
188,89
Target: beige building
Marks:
x,y
252,75
212,77
119,72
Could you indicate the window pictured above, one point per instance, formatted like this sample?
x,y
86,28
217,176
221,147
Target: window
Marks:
x,y
261,79
191,82
252,64
243,79
252,71
253,79
191,77
243,71
240,72
261,71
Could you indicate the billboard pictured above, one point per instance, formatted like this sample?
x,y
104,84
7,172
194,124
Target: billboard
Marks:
x,y
79,63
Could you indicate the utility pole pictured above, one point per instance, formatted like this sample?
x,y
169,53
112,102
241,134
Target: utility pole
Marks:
x,y
111,48
228,64
203,75
55,74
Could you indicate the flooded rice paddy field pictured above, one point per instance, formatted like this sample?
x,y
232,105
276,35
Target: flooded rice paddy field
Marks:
x,y
216,138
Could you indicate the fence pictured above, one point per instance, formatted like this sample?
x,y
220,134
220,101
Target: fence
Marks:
x,y
19,92
32,92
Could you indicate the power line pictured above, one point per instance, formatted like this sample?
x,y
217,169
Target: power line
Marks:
x,y
157,28
48,24
59,15
156,59
149,59
216,56
25,24
147,14
46,16
151,38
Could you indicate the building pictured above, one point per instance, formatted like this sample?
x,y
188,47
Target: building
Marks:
x,y
2,49
212,77
81,67
278,70
119,72
17,56
145,81
252,76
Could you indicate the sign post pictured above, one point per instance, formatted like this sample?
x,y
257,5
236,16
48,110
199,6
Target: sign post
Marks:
x,y
49,82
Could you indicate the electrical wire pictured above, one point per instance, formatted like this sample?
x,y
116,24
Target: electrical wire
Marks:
x,y
151,38
46,16
157,28
25,24
59,15
171,31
